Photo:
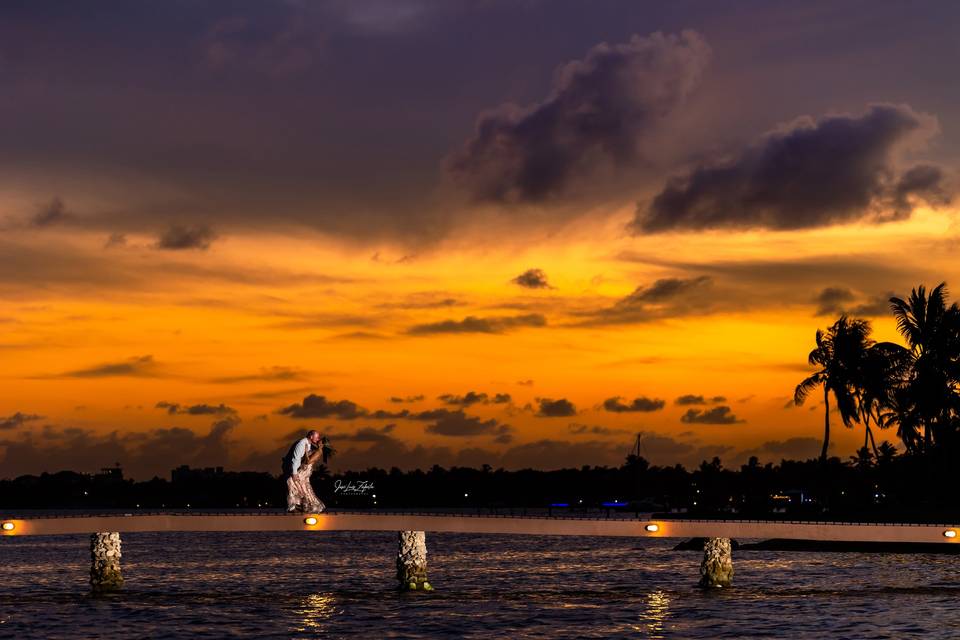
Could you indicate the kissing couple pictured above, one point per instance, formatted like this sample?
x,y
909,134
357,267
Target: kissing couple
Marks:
x,y
298,466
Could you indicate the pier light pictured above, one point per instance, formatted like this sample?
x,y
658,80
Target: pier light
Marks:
x,y
9,526
310,520
949,533
652,527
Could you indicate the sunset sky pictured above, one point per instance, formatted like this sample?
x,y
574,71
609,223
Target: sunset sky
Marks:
x,y
514,233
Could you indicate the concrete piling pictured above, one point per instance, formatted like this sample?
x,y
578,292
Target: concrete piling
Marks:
x,y
105,562
716,570
412,561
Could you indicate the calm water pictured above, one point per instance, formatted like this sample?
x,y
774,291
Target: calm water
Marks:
x,y
291,585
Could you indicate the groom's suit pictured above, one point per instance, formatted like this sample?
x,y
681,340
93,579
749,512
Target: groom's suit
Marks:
x,y
294,457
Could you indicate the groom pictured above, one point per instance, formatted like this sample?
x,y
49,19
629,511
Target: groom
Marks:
x,y
292,462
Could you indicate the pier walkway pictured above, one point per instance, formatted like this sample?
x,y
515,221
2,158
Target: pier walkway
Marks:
x,y
716,569
545,525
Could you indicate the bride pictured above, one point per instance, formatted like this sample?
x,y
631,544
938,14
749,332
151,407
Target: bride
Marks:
x,y
308,500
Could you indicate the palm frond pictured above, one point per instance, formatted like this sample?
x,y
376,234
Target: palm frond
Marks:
x,y
804,388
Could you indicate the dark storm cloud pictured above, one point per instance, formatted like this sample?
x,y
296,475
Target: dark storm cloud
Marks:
x,y
924,182
810,173
17,419
381,414
314,406
457,423
266,374
741,285
425,300
532,279
208,409
436,304
474,397
690,399
173,408
840,300
430,414
598,109
832,299
873,306
474,324
663,290
179,237
862,271
643,404
400,399
137,367
295,320
716,415
549,408
467,399
317,406
52,213
666,297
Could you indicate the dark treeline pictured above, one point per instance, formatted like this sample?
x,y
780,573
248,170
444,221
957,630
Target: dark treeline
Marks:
x,y
896,486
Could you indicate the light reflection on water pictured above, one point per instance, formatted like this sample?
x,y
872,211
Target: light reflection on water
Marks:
x,y
655,616
315,611
342,584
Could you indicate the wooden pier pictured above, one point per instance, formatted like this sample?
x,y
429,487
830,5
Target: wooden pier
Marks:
x,y
716,569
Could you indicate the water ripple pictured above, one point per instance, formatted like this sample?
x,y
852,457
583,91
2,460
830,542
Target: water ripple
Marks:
x,y
337,585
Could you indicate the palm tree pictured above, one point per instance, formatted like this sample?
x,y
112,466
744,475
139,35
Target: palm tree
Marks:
x,y
884,367
900,410
862,460
930,402
887,452
839,356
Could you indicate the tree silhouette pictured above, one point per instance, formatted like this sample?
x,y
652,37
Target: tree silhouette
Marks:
x,y
928,403
840,354
876,382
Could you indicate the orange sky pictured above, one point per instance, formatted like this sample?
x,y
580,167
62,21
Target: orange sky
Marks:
x,y
259,322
